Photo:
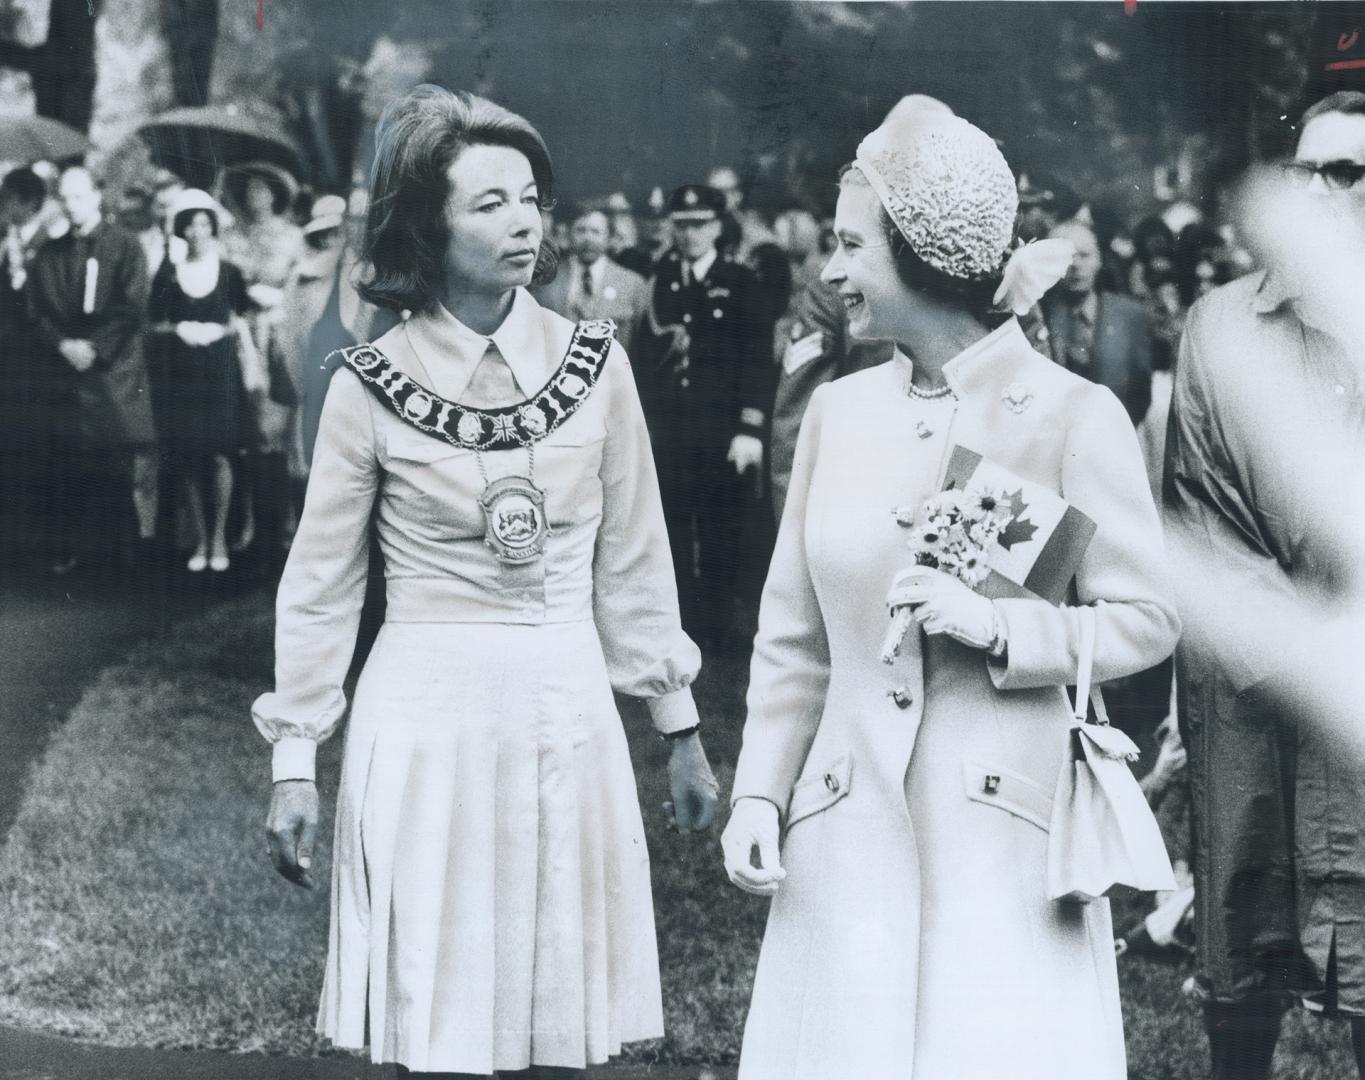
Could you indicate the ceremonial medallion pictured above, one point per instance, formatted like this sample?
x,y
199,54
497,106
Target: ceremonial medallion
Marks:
x,y
514,519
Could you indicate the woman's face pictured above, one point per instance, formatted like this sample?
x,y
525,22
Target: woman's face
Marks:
x,y
260,200
862,267
198,235
494,217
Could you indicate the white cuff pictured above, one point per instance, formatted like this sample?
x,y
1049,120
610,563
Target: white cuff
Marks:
x,y
673,712
294,759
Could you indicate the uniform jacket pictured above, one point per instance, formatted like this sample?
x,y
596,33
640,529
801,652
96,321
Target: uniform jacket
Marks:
x,y
110,404
705,394
622,298
820,349
912,938
1279,843
1121,356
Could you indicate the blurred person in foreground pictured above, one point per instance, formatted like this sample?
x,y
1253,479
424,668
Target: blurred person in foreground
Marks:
x,y
87,300
1263,496
589,285
899,809
1102,336
491,907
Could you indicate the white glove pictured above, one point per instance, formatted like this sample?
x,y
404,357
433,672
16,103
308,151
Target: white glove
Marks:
x,y
944,605
753,824
266,296
746,452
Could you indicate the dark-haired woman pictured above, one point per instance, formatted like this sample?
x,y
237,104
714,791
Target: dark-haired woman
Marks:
x,y
491,907
267,246
196,310
900,812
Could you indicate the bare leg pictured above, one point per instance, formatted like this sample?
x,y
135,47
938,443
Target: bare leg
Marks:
x,y
247,536
194,515
146,492
222,498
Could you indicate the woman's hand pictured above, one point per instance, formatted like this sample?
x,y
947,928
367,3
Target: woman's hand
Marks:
x,y
753,825
692,784
266,296
944,605
292,829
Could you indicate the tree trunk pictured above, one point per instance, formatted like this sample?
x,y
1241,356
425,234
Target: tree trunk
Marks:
x,y
62,68
190,28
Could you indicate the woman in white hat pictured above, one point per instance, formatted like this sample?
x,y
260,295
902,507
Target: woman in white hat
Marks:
x,y
898,813
196,308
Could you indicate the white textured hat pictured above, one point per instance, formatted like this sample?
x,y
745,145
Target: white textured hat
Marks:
x,y
946,186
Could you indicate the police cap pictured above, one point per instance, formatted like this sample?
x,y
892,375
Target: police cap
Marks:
x,y
696,202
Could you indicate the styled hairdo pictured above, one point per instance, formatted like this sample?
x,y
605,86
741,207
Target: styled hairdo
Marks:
x,y
406,232
1351,102
180,224
23,184
974,296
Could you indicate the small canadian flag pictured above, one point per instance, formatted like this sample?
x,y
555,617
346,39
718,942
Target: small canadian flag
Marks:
x,y
1039,550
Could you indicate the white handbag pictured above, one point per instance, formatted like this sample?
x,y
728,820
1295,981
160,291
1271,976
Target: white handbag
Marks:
x,y
1103,834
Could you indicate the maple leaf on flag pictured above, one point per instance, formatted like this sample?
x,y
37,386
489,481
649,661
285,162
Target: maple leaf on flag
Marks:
x,y
1019,530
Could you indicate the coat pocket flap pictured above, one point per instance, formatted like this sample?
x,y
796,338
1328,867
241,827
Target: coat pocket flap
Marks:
x,y
1010,791
820,790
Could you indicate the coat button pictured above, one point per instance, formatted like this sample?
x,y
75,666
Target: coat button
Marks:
x,y
717,313
991,785
675,286
831,782
685,383
902,697
687,318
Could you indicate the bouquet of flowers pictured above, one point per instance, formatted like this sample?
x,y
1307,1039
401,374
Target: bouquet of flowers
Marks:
x,y
953,532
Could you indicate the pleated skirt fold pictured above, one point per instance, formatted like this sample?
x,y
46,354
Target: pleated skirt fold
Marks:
x,y
491,903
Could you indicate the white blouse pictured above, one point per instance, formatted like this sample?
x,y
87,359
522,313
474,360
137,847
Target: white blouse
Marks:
x,y
606,558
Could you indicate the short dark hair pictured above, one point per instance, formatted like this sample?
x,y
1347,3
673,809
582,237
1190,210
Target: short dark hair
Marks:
x,y
23,184
180,224
1351,102
406,233
976,296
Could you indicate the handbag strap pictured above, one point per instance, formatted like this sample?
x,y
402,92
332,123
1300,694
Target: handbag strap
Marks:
x,y
1086,661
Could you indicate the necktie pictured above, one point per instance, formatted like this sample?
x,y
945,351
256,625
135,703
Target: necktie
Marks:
x,y
686,273
587,281
492,385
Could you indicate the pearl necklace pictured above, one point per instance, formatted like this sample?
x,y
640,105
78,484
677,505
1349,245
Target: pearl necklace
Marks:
x,y
927,395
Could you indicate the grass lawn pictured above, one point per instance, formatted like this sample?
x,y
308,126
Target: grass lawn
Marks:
x,y
138,907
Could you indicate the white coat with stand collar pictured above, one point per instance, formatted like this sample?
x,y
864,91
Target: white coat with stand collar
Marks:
x,y
913,938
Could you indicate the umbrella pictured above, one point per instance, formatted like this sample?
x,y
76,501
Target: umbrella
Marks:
x,y
36,138
198,141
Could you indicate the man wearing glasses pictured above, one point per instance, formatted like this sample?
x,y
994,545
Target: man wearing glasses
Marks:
x,y
1269,400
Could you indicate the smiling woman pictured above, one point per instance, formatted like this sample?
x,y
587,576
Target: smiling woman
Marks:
x,y
491,901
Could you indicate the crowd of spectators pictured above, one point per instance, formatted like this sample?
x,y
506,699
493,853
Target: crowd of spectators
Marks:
x,y
189,447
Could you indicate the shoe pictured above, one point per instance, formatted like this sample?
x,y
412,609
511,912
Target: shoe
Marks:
x,y
198,562
218,563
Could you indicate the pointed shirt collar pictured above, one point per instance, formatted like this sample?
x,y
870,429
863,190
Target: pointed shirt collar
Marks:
x,y
970,367
1271,294
449,351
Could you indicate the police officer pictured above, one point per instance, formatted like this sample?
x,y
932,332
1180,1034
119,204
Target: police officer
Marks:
x,y
704,376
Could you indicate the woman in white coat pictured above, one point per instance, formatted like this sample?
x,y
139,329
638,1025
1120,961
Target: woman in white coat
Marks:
x,y
491,906
898,814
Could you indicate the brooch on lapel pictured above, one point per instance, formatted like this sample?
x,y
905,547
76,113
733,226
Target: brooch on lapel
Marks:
x,y
1017,397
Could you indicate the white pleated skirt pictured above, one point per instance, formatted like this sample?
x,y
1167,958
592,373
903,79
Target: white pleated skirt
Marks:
x,y
491,903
